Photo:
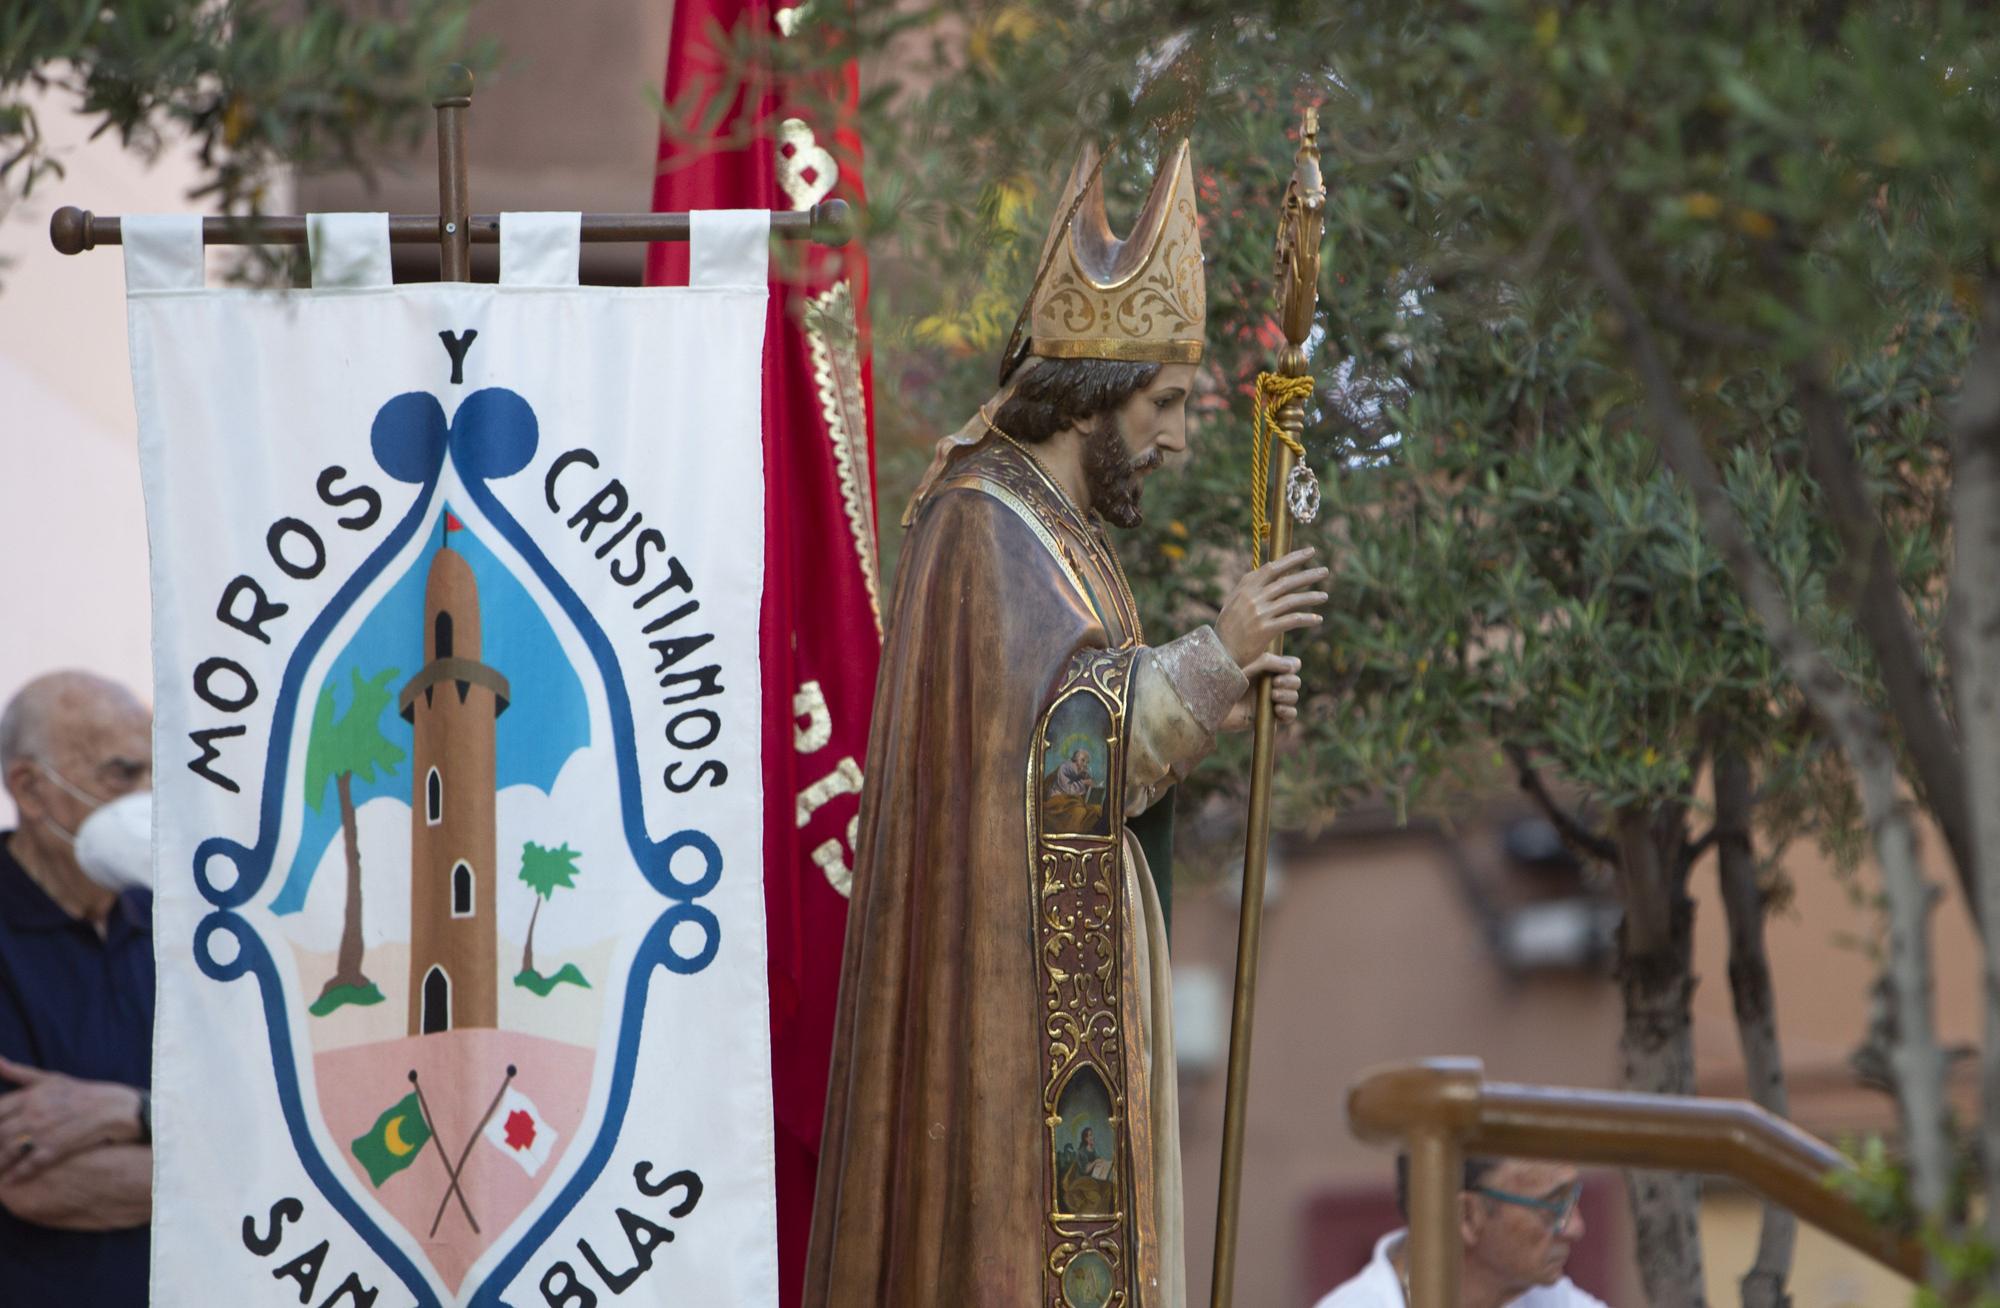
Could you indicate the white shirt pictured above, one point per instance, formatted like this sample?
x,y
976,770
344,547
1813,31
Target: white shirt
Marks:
x,y
1378,1286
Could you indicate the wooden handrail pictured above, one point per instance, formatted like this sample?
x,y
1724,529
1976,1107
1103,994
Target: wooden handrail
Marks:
x,y
1442,1109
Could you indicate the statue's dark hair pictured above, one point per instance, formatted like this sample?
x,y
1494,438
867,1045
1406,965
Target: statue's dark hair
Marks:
x,y
1054,393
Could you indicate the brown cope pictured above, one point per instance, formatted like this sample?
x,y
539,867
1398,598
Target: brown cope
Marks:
x,y
934,1185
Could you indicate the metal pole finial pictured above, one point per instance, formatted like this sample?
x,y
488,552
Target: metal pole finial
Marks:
x,y
451,86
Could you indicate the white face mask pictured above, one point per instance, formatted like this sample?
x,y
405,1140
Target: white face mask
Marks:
x,y
114,845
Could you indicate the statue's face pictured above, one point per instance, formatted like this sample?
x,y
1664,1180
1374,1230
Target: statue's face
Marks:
x,y
1131,441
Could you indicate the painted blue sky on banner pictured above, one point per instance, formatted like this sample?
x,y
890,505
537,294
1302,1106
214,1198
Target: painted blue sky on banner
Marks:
x,y
547,720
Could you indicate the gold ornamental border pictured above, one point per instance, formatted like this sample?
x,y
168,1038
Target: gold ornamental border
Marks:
x,y
833,342
1081,921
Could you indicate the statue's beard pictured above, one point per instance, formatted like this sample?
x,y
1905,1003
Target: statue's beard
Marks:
x,y
1113,477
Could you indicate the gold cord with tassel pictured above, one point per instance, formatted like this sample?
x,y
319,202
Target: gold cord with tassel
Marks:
x,y
1274,392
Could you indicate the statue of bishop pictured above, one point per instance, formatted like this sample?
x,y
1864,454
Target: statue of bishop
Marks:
x,y
1002,1127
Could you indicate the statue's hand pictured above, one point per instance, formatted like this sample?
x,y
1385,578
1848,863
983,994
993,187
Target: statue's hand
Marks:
x,y
1268,602
1284,672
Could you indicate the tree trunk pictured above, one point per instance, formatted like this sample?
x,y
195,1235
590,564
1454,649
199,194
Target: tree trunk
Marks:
x,y
1655,978
528,950
1974,633
1862,734
1917,1059
347,968
1750,993
1870,589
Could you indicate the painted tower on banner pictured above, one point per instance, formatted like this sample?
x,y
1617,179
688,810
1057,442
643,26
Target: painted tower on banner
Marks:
x,y
452,704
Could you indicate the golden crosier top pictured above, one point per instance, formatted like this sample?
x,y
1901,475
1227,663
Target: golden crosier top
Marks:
x,y
1301,223
1143,298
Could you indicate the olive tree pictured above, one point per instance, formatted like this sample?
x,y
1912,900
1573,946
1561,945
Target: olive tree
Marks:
x,y
1642,330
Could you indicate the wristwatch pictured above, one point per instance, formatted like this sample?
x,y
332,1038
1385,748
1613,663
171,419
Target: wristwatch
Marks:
x,y
145,1117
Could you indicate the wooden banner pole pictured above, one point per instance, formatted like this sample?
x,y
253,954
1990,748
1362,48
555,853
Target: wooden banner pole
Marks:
x,y
454,232
453,228
73,230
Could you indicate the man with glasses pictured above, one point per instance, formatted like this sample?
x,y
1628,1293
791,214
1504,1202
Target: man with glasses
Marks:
x,y
1517,1221
76,1003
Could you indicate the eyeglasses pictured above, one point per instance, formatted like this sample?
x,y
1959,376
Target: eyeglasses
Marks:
x,y
125,775
112,778
1554,1208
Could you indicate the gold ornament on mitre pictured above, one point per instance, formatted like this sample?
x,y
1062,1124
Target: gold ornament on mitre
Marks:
x,y
1142,299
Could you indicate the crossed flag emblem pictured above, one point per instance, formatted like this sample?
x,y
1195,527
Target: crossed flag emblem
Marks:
x,y
511,1123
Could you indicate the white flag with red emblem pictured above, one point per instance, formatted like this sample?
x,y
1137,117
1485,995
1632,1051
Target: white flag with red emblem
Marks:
x,y
517,1130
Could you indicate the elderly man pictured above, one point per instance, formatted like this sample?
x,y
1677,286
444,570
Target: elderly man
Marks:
x,y
76,1005
1517,1219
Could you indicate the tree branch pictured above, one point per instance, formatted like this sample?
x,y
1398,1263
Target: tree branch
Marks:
x,y
1973,627
1566,823
1675,313
1876,600
1861,732
1754,1001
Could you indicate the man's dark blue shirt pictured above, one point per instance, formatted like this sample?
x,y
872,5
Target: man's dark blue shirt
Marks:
x,y
73,1003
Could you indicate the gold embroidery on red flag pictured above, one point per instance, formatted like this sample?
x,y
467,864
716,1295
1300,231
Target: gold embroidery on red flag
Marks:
x,y
833,339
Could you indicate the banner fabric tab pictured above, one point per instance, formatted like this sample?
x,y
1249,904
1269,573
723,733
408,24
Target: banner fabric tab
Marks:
x,y
348,250
540,249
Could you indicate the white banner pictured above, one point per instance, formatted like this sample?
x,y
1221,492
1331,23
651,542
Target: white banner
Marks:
x,y
460,916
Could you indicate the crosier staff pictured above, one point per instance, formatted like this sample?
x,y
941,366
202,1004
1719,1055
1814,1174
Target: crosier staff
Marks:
x,y
1281,413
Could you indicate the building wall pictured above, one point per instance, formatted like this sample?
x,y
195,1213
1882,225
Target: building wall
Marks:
x,y
1817,942
1370,956
1822,978
565,122
1825,1273
72,523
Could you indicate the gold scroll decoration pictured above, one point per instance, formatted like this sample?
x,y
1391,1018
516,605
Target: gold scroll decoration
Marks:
x,y
1097,1228
1143,297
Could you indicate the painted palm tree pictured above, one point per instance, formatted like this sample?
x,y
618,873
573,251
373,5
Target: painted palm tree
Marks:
x,y
340,748
545,871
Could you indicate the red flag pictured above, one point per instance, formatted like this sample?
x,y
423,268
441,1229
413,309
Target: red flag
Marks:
x,y
822,619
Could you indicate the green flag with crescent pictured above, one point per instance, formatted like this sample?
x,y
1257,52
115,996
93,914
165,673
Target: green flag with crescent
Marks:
x,y
395,1140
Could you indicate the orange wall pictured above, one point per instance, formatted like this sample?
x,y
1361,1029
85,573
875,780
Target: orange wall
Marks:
x,y
1822,982
1369,956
